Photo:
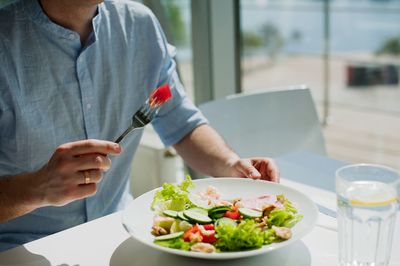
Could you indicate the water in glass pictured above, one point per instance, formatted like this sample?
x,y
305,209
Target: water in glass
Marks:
x,y
367,214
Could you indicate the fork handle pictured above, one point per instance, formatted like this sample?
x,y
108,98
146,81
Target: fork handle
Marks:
x,y
127,131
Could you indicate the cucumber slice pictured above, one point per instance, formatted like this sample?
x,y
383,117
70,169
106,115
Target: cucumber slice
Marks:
x,y
181,216
197,215
198,210
169,236
249,213
225,220
170,213
219,209
218,212
217,215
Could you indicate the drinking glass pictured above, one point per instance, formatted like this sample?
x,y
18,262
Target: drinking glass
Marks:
x,y
367,198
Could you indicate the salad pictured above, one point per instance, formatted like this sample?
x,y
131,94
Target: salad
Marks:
x,y
203,222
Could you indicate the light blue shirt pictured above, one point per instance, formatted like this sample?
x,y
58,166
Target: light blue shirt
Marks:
x,y
54,91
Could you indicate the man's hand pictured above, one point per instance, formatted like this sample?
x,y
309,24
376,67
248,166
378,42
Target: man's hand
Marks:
x,y
74,170
72,173
205,151
256,168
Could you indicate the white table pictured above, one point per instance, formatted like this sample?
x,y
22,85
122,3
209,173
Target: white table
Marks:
x,y
105,242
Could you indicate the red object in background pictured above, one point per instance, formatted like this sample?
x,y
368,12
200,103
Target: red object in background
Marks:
x,y
364,75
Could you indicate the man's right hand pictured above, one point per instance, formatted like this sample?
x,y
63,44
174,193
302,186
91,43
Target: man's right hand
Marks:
x,y
73,171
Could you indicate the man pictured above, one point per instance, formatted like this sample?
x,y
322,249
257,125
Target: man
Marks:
x,y
72,73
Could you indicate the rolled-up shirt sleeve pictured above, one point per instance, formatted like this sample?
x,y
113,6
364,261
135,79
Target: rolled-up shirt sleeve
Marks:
x,y
179,116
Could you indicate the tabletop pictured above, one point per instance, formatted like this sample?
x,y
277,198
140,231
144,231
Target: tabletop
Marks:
x,y
104,241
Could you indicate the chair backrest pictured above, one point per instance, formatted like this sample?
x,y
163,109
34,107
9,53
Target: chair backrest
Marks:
x,y
267,123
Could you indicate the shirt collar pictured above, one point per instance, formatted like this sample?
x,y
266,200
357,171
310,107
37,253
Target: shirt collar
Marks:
x,y
96,20
34,11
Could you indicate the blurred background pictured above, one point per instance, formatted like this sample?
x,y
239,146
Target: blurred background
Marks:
x,y
346,51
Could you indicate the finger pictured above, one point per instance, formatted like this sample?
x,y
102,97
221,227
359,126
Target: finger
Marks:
x,y
273,171
91,146
84,191
248,170
78,192
93,176
267,168
91,161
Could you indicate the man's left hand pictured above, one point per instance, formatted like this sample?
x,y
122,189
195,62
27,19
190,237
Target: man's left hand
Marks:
x,y
256,168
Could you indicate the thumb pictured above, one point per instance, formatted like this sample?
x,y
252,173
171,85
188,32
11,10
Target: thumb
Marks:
x,y
248,170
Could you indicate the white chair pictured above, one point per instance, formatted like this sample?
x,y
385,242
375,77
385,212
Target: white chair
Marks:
x,y
270,123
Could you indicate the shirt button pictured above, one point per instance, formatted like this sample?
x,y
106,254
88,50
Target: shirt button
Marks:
x,y
88,106
71,36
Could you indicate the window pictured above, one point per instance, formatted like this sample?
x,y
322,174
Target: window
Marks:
x,y
284,44
175,19
179,18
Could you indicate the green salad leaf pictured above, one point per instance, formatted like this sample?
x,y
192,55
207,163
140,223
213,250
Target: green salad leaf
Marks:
x,y
173,196
246,235
285,217
177,243
270,236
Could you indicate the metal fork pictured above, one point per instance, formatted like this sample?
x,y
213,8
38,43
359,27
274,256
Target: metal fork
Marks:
x,y
140,119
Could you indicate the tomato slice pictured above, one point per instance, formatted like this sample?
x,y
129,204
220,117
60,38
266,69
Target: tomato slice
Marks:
x,y
193,230
196,231
235,215
208,239
208,226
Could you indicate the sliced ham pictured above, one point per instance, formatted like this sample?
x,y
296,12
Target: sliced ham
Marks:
x,y
259,203
209,198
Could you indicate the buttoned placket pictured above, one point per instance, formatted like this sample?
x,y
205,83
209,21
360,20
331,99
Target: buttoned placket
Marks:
x,y
89,115
88,96
87,93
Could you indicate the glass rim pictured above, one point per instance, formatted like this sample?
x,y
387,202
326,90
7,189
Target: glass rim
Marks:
x,y
384,167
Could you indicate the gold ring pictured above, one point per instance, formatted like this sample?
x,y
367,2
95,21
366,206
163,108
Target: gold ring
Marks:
x,y
87,177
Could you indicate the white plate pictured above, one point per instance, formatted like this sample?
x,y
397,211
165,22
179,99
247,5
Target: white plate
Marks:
x,y
138,218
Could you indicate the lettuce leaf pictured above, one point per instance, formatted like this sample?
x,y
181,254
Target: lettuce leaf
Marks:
x,y
285,217
172,196
177,243
246,235
270,236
